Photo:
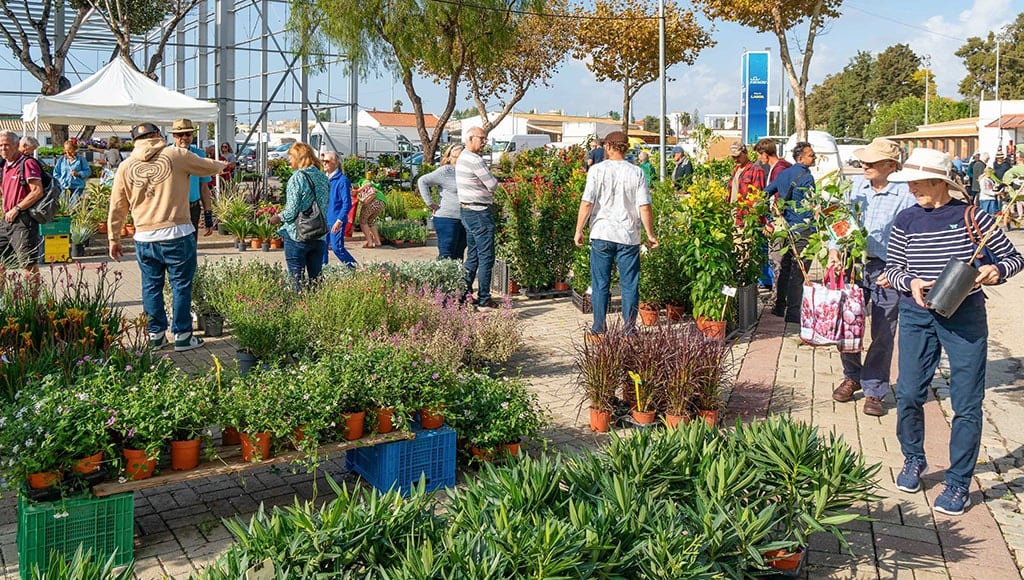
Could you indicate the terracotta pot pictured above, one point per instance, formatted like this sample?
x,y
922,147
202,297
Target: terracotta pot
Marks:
x,y
645,417
257,451
512,448
101,227
298,434
561,286
384,422
276,243
482,454
674,313
185,454
784,559
256,243
354,425
513,287
713,329
43,479
600,421
124,231
137,465
130,229
672,421
89,464
430,419
229,436
710,416
648,316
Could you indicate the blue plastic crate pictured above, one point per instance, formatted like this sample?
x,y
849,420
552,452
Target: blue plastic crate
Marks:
x,y
400,464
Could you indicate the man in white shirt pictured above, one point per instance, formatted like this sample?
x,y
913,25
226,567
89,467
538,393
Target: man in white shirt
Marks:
x,y
475,186
616,202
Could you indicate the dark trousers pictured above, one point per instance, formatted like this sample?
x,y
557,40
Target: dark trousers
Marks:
x,y
195,211
303,259
451,238
789,287
924,334
883,305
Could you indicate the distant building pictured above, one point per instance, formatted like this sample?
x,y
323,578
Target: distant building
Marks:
x,y
404,122
959,138
567,129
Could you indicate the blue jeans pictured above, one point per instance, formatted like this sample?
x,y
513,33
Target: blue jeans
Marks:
x,y
873,371
923,336
336,242
302,259
602,254
177,260
990,206
451,238
479,251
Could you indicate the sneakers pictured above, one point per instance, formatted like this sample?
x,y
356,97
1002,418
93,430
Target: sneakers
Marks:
x,y
953,500
487,306
873,406
188,342
844,392
157,342
909,480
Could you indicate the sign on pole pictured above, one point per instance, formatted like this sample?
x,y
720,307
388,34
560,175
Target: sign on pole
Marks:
x,y
755,95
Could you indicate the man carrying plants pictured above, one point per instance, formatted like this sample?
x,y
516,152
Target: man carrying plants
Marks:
x,y
153,183
877,202
617,203
790,188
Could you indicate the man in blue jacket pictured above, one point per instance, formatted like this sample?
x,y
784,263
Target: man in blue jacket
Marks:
x,y
337,209
792,185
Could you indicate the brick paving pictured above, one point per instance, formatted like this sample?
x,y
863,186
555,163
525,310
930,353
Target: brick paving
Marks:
x,y
178,527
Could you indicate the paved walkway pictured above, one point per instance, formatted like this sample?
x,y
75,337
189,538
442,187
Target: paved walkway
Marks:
x,y
178,527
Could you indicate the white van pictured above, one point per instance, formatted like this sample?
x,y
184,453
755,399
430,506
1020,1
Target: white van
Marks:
x,y
372,141
516,144
828,159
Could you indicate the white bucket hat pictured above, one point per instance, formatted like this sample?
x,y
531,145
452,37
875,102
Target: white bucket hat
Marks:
x,y
927,164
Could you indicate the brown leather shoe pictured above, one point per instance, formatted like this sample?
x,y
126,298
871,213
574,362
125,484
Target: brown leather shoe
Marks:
x,y
844,392
873,407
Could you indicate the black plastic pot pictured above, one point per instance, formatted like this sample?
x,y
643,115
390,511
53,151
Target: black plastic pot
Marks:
x,y
953,285
214,324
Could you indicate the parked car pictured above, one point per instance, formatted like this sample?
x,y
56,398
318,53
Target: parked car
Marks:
x,y
246,159
279,152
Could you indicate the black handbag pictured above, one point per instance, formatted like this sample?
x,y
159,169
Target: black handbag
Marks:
x,y
310,224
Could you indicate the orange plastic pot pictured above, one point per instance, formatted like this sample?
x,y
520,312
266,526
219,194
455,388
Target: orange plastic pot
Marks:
x,y
384,422
257,450
649,317
43,479
276,243
784,559
710,416
354,425
561,286
256,243
430,419
673,421
674,313
229,436
713,329
644,417
185,454
600,421
137,464
89,464
482,454
512,448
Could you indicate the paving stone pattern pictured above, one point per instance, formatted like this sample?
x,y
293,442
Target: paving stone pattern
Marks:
x,y
178,527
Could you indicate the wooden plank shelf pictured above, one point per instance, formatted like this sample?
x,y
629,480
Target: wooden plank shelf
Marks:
x,y
229,460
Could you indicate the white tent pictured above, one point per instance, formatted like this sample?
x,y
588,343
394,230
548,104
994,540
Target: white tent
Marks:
x,y
117,94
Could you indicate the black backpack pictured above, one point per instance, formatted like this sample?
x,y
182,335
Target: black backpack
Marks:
x,y
44,210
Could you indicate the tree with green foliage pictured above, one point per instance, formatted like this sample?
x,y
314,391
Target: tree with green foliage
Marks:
x,y
618,39
126,18
893,75
979,56
781,17
906,114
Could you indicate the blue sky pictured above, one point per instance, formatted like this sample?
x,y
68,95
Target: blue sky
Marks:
x,y
934,27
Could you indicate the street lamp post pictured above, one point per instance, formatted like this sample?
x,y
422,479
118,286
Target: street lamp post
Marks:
x,y
661,73
927,65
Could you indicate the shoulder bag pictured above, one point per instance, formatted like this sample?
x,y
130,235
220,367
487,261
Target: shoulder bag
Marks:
x,y
310,224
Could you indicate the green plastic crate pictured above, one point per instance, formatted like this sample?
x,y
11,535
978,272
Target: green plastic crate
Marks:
x,y
57,226
102,524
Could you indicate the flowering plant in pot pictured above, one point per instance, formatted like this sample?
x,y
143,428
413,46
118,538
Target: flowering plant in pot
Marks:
x,y
492,412
349,379
308,399
253,403
188,404
599,373
27,443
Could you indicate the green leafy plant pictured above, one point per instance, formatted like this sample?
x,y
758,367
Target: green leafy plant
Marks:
x,y
82,231
493,411
83,564
600,367
708,258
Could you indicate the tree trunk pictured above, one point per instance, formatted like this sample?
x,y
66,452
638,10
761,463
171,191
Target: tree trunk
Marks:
x,y
625,108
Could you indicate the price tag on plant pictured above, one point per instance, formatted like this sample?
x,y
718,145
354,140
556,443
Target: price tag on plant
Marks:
x,y
842,229
729,291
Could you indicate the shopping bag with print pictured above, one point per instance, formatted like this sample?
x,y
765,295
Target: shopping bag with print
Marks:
x,y
820,312
851,331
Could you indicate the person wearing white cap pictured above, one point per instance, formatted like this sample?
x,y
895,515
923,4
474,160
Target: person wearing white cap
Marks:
x,y
924,237
876,201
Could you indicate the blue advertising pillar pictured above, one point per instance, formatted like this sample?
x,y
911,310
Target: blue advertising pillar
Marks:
x,y
755,96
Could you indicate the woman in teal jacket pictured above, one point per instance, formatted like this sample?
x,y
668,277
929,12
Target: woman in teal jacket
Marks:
x,y
72,170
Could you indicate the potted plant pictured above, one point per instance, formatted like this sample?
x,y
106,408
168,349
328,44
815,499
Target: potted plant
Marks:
x,y
82,231
751,254
188,404
494,414
140,421
599,366
29,454
254,403
264,231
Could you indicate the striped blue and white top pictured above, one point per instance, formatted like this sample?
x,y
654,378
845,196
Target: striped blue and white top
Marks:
x,y
924,239
473,181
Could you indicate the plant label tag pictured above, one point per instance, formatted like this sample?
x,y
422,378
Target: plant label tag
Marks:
x,y
842,229
261,571
729,291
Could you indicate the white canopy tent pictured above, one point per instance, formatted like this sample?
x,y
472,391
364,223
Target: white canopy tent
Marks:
x,y
117,94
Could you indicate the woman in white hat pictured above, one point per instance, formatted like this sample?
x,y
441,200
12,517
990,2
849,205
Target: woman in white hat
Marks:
x,y
924,237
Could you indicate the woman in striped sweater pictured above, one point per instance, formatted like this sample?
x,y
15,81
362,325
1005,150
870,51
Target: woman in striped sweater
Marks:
x,y
924,237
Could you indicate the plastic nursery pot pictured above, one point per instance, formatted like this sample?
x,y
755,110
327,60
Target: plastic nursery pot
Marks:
x,y
257,450
214,325
43,479
384,422
230,436
297,436
256,243
482,454
951,288
648,317
600,421
784,559
89,464
354,425
137,465
713,329
644,417
430,419
673,421
185,454
276,243
246,362
710,416
265,247
561,286
511,448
